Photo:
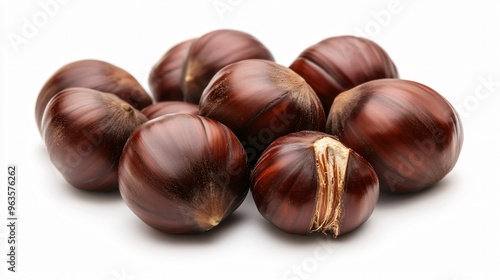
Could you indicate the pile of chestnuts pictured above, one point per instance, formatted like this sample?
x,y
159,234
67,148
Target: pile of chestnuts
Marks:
x,y
315,142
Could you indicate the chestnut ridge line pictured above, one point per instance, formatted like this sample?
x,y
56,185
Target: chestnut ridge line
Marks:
x,y
79,138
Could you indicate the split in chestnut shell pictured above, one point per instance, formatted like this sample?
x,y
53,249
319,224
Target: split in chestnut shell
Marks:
x,y
309,181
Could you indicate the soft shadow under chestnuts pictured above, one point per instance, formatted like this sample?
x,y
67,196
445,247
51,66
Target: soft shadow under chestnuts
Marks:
x,y
183,168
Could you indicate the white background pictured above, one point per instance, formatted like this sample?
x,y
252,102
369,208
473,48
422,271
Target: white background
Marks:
x,y
451,231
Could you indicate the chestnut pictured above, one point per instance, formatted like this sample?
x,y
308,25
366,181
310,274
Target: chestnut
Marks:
x,y
169,107
212,52
93,74
183,173
309,181
409,133
84,131
260,101
340,63
165,77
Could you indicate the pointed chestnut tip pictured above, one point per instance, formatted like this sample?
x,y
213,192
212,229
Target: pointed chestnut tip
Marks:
x,y
214,221
127,107
206,223
187,180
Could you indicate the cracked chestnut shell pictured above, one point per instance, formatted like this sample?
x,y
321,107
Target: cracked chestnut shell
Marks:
x,y
183,173
166,76
212,52
260,101
169,107
340,63
309,181
93,74
409,133
84,131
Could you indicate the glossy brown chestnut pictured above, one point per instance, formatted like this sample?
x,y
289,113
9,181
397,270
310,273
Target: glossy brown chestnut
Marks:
x,y
183,173
169,107
309,181
212,52
166,76
340,63
84,131
260,101
409,133
93,74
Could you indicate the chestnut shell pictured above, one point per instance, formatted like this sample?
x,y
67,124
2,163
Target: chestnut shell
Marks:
x,y
93,74
212,52
169,107
260,101
166,76
183,173
410,134
289,185
84,131
340,63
